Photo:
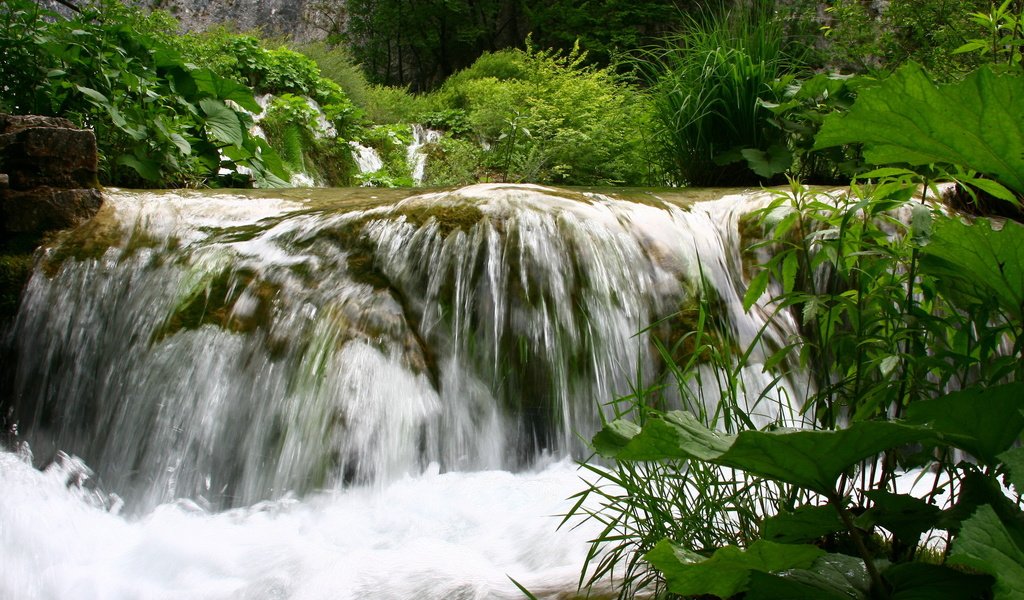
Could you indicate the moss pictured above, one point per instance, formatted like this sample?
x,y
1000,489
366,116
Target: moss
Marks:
x,y
15,270
213,303
449,217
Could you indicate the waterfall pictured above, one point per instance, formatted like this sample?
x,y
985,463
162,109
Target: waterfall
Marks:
x,y
415,156
367,159
232,350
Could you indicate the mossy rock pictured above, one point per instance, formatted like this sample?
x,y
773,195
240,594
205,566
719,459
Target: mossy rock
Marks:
x,y
15,271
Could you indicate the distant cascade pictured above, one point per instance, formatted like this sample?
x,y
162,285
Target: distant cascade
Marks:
x,y
415,155
240,348
367,159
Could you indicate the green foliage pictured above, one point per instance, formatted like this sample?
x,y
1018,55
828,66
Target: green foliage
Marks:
x,y
547,117
973,124
896,304
159,121
868,37
799,114
709,86
337,64
452,162
1005,29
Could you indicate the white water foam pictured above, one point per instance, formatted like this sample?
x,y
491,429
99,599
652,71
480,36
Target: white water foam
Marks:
x,y
452,535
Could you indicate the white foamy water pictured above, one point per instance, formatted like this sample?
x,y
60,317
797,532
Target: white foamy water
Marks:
x,y
443,536
342,396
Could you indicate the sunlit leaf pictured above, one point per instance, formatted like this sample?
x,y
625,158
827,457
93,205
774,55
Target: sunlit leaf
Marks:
x,y
727,572
987,545
222,122
906,118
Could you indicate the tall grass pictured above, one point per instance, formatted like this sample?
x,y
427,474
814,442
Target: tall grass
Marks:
x,y
707,83
698,505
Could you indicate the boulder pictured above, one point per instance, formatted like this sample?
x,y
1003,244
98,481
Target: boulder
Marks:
x,y
47,175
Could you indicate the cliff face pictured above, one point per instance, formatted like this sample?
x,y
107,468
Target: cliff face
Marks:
x,y
301,20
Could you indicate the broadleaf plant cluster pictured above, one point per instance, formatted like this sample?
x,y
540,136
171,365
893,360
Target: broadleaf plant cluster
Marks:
x,y
901,474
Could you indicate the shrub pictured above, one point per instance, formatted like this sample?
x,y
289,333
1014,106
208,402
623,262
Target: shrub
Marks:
x,y
548,117
159,120
708,84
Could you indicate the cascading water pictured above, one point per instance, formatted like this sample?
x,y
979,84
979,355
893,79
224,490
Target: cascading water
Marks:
x,y
398,376
415,156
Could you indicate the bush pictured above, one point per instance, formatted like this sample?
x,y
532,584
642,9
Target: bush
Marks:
x,y
159,120
548,117
708,85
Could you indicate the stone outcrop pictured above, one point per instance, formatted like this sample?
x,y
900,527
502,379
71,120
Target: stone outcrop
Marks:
x,y
47,175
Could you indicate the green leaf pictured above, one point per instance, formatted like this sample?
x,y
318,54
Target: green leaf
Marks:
x,y
922,581
147,169
830,576
978,262
224,89
1014,461
94,95
905,516
768,163
727,572
985,544
982,421
676,434
758,284
223,123
809,586
810,459
805,524
974,123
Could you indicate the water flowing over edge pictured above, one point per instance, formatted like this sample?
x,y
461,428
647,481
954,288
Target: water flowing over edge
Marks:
x,y
417,345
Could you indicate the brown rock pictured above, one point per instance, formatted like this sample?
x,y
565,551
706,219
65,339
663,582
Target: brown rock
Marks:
x,y
45,208
47,174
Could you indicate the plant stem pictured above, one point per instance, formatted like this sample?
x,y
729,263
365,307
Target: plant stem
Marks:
x,y
858,541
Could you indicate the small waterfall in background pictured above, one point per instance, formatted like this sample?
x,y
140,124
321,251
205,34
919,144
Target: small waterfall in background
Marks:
x,y
338,393
415,156
367,159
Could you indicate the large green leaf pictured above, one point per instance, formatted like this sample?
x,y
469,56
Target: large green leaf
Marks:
x,y
222,122
975,123
727,572
985,544
831,576
224,89
978,262
907,517
810,459
982,421
922,581
805,524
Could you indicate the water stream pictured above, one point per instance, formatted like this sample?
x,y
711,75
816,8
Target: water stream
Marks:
x,y
338,393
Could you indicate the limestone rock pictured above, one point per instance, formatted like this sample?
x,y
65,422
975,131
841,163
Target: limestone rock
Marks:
x,y
47,174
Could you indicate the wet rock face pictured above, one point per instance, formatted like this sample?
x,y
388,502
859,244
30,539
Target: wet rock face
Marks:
x,y
47,175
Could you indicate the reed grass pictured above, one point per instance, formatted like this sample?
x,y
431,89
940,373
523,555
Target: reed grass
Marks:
x,y
707,86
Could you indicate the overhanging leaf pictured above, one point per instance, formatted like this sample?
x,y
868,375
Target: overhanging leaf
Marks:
x,y
810,459
906,118
727,572
905,516
224,89
1014,461
922,581
978,261
982,421
985,544
805,524
222,122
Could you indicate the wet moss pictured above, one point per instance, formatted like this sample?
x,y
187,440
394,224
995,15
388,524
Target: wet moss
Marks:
x,y
213,303
449,217
15,271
